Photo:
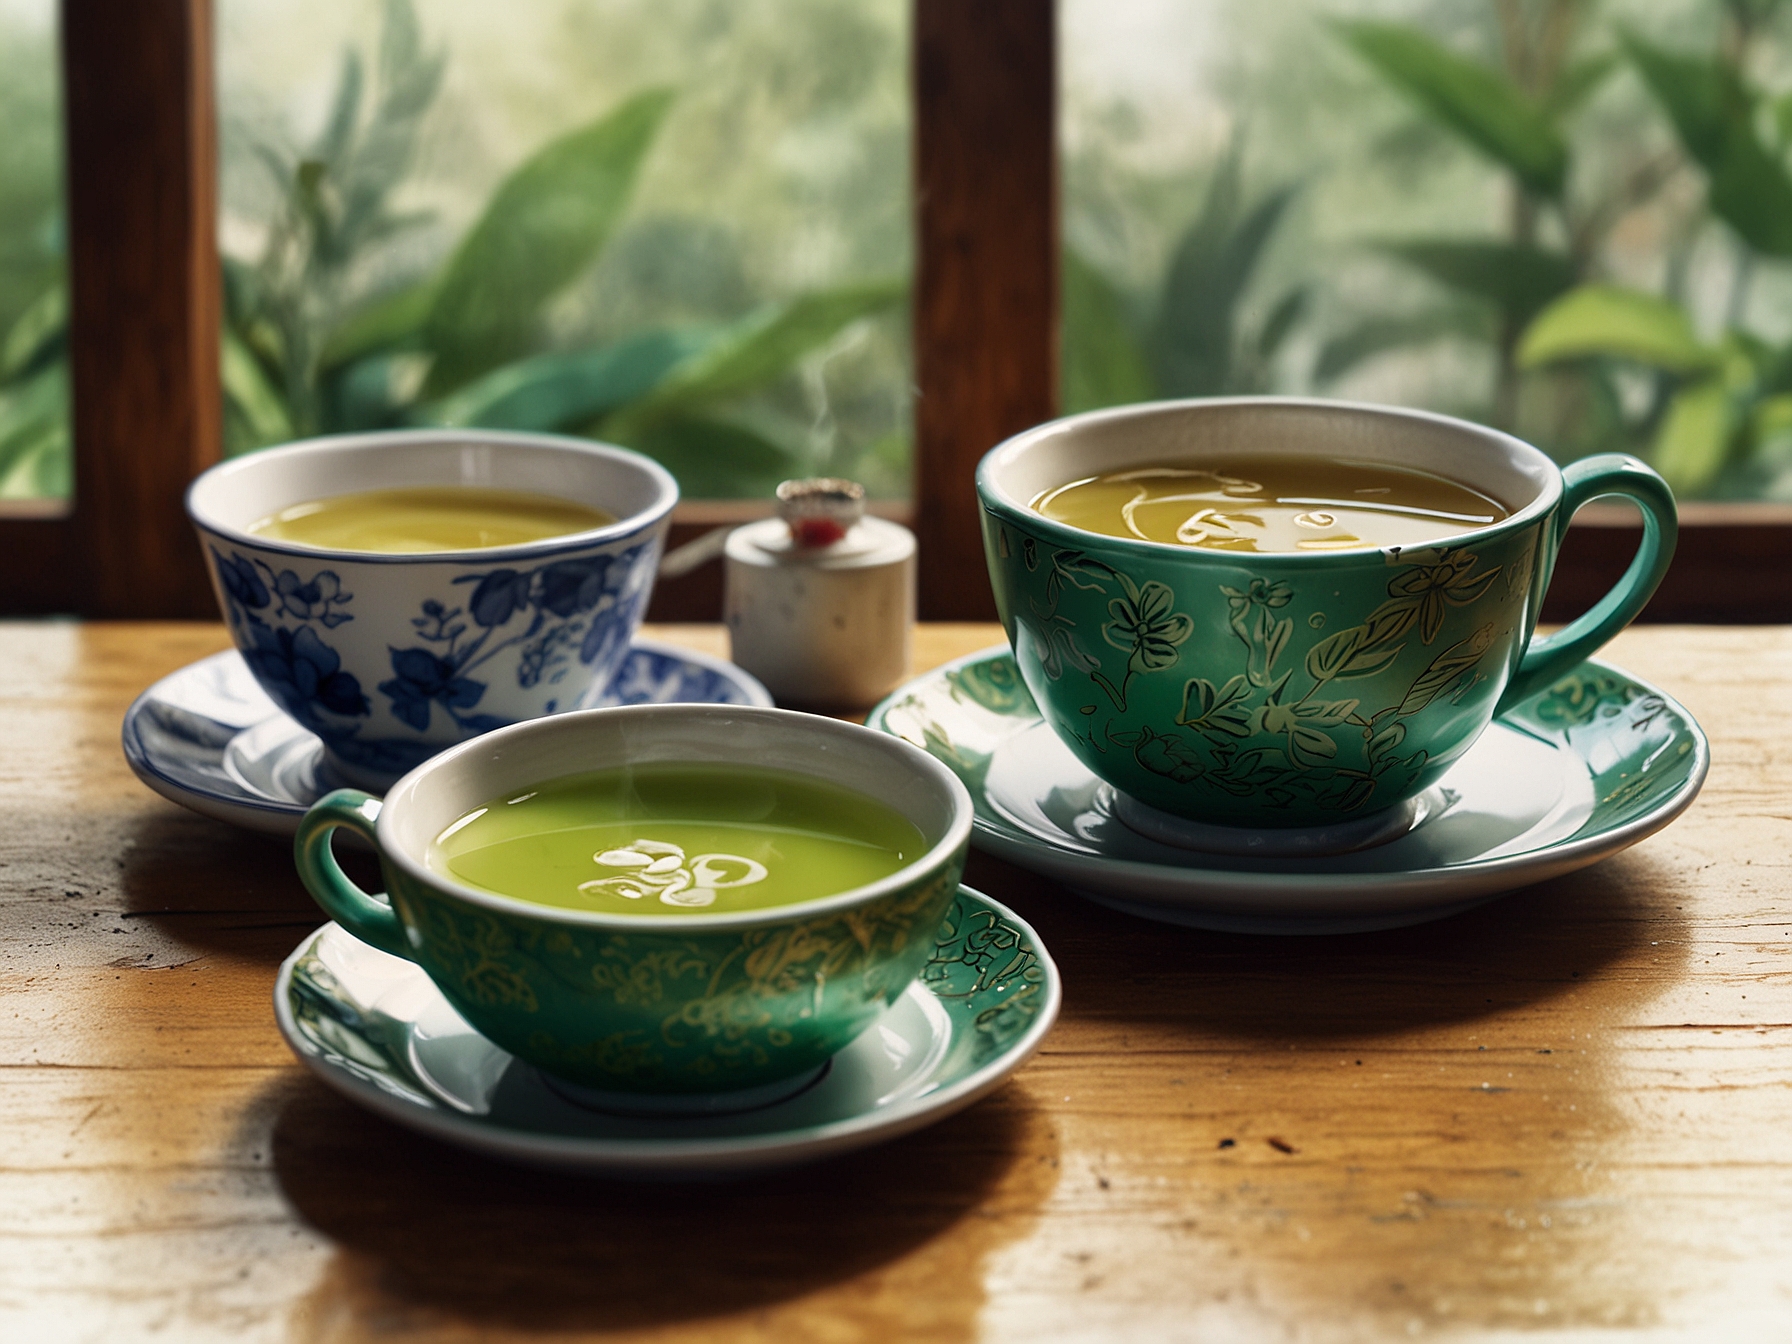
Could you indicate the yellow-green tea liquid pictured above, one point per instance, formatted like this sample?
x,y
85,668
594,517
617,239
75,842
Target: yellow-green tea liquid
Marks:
x,y
429,518
666,839
1272,503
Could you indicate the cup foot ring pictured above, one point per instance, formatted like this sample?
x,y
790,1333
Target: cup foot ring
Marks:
x,y
677,1105
1295,842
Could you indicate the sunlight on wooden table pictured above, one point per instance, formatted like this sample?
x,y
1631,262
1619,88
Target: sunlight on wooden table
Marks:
x,y
1561,1113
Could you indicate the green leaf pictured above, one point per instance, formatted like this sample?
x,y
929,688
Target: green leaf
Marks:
x,y
545,224
571,388
1310,747
1694,438
715,459
1517,279
1775,370
1578,82
1606,320
764,346
1391,620
401,42
1282,320
1444,670
1193,334
1782,118
33,431
1480,105
1699,95
40,465
1713,114
1370,661
387,323
1386,740
373,393
1268,638
345,109
1326,713
1772,418
1220,710
1328,657
367,169
1378,335
1103,362
1752,193
39,334
257,403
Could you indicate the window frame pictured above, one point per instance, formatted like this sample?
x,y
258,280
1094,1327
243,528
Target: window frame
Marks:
x,y
145,303
140,173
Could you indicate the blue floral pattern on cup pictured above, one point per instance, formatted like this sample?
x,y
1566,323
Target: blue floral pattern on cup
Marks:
x,y
564,601
578,610
301,672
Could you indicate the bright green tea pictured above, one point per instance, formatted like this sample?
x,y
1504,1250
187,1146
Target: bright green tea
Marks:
x,y
429,518
1272,503
668,838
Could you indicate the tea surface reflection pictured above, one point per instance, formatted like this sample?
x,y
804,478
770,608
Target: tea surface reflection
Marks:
x,y
1272,503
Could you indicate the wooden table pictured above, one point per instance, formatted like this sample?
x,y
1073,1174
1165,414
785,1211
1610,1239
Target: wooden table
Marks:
x,y
1566,1111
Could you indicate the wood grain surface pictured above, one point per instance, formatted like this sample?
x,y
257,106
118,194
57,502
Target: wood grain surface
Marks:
x,y
1563,1114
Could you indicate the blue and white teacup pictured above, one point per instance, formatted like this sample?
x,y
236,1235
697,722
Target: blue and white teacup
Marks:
x,y
389,658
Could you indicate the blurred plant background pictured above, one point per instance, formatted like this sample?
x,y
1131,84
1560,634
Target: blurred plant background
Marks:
x,y
34,458
679,225
683,224
1569,218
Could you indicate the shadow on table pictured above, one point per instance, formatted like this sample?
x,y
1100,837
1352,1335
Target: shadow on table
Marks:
x,y
215,888
1617,925
429,1234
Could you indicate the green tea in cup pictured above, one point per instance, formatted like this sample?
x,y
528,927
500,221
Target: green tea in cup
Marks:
x,y
602,914
422,519
1269,612
668,838
1272,503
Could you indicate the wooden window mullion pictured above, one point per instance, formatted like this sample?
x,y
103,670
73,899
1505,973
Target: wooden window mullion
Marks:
x,y
986,281
144,291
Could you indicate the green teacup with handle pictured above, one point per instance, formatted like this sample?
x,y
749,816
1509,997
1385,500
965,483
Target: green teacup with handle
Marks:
x,y
656,1006
1302,689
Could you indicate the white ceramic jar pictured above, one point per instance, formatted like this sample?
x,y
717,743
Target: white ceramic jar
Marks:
x,y
820,602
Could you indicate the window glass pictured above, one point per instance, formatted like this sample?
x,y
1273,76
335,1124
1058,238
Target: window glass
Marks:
x,y
34,438
1569,218
680,225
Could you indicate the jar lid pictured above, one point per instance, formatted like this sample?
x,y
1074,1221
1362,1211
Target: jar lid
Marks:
x,y
821,509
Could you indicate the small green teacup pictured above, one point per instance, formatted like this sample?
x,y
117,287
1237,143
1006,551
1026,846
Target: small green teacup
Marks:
x,y
1292,690
663,1007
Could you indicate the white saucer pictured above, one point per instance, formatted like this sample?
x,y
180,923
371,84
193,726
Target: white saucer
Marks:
x,y
1563,779
376,1029
207,737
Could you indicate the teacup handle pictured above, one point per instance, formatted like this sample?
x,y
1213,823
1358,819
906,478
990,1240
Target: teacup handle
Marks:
x,y
369,919
1591,478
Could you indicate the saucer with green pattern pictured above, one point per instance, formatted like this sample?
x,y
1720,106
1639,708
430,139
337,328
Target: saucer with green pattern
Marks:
x,y
375,1028
1572,775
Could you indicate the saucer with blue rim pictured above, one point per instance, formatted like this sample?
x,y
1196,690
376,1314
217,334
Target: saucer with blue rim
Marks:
x,y
209,738
376,1029
1561,780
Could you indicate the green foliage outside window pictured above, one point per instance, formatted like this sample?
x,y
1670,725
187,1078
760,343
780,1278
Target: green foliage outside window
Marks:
x,y
1585,354
34,459
468,342
506,322
1573,218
